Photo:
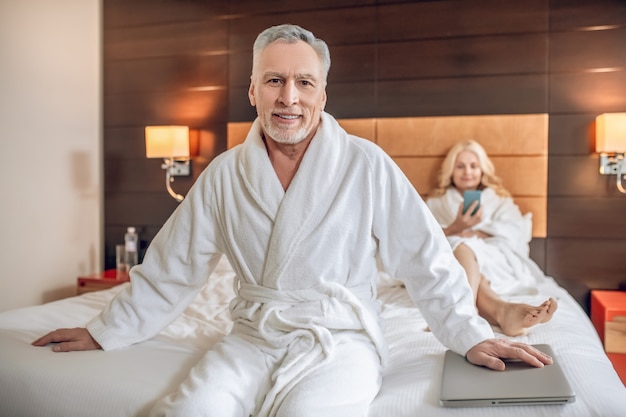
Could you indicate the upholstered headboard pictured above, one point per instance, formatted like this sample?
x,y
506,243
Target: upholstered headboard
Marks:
x,y
517,145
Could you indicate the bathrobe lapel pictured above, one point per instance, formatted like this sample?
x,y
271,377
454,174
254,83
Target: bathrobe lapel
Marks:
x,y
306,201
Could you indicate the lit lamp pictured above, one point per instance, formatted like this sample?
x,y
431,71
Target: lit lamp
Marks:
x,y
172,144
611,145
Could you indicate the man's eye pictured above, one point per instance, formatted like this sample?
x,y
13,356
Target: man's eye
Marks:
x,y
273,81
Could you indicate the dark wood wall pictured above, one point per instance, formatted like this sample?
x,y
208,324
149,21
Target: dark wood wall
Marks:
x,y
189,61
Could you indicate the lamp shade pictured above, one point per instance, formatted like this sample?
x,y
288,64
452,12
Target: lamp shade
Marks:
x,y
167,141
611,132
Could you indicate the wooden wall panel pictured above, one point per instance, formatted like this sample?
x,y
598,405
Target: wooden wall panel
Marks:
x,y
513,94
569,15
538,252
577,176
192,108
167,39
595,92
256,7
336,26
572,134
353,100
166,73
579,48
596,263
419,20
589,218
485,55
124,13
362,65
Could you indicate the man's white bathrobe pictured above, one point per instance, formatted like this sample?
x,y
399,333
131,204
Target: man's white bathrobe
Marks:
x,y
305,259
504,257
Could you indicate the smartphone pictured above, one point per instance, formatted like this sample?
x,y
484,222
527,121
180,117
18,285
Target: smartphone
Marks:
x,y
469,197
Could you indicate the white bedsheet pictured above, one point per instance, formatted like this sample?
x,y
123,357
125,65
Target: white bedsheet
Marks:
x,y
35,382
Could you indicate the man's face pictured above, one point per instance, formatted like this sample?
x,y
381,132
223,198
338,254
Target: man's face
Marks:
x,y
289,91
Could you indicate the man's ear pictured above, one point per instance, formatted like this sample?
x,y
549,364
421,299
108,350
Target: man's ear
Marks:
x,y
251,94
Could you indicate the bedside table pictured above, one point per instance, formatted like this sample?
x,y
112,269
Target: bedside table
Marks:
x,y
101,281
608,315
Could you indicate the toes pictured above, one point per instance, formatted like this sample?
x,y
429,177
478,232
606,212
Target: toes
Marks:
x,y
553,306
550,311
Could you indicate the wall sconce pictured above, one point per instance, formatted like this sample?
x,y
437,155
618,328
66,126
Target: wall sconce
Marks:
x,y
172,144
611,145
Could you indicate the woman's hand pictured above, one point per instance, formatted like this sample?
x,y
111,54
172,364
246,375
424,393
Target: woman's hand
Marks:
x,y
464,221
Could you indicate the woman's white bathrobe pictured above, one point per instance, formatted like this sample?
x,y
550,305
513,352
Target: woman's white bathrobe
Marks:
x,y
504,257
305,259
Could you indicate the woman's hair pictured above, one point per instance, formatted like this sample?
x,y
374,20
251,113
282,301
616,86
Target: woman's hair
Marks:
x,y
488,179
291,34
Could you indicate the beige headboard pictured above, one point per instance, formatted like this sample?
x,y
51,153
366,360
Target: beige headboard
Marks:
x,y
517,145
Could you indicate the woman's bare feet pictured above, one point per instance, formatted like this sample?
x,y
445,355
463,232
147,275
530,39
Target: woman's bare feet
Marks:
x,y
515,318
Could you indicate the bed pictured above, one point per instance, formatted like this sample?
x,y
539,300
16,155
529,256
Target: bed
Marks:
x,y
36,382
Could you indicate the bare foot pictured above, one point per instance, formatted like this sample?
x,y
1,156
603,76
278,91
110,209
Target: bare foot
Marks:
x,y
514,318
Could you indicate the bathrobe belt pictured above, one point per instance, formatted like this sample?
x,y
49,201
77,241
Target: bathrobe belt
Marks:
x,y
326,306
281,315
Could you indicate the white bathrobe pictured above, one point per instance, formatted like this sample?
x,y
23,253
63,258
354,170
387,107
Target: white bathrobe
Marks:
x,y
305,259
504,257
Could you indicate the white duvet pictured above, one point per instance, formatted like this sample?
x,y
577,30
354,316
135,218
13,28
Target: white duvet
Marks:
x,y
35,382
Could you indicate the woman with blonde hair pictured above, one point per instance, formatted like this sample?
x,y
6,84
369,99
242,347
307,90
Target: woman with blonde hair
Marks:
x,y
490,238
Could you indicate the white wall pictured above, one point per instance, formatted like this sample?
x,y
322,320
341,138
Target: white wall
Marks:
x,y
50,148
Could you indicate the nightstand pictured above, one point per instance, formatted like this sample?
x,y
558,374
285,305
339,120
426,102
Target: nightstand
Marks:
x,y
101,281
608,314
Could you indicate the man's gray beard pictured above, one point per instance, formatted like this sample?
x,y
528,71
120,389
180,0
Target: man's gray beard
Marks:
x,y
281,136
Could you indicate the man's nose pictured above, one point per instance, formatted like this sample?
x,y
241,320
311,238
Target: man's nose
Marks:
x,y
289,94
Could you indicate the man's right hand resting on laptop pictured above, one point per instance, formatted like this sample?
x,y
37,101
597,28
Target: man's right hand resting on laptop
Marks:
x,y
489,352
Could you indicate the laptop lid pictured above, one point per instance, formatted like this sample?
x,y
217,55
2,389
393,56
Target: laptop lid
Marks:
x,y
466,385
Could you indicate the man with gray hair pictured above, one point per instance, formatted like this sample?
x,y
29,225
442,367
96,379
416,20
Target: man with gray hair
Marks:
x,y
303,211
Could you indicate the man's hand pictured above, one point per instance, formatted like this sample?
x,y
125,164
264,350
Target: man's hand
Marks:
x,y
491,352
68,340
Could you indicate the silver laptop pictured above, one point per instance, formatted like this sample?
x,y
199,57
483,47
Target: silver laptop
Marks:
x,y
467,385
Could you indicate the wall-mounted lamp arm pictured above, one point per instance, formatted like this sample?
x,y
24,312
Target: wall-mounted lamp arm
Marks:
x,y
621,170
169,167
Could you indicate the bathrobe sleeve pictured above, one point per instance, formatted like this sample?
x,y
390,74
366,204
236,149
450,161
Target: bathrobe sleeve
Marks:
x,y
169,277
413,248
